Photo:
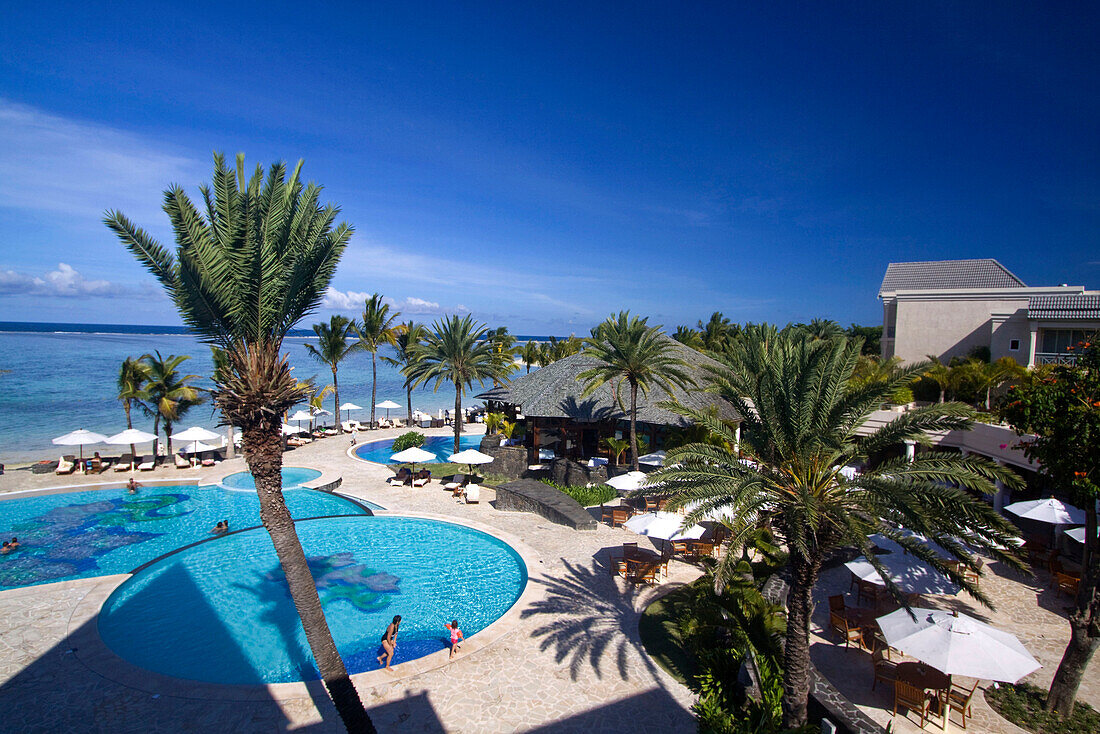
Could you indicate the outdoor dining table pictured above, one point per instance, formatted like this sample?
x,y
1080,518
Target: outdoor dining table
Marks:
x,y
928,679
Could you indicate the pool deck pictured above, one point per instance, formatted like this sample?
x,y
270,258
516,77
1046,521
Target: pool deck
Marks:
x,y
566,658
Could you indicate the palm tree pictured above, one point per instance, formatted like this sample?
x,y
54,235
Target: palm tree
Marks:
x,y
531,354
244,273
985,377
333,345
689,337
454,351
375,330
945,377
627,350
168,393
717,333
408,336
504,352
801,412
132,375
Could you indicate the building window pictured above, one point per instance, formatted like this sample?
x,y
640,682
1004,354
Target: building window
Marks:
x,y
1059,341
1014,345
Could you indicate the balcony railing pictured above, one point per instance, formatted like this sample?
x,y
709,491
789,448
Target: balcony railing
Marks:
x,y
1054,358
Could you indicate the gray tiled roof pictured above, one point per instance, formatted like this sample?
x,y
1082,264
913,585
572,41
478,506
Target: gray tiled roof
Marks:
x,y
553,391
984,273
1075,306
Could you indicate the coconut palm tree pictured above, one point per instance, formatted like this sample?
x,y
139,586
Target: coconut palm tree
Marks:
x,y
408,336
245,271
689,337
132,376
454,351
168,393
376,328
504,352
531,354
627,350
333,344
718,332
945,377
985,377
801,412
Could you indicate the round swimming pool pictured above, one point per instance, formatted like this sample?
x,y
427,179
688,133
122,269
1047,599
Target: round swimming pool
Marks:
x,y
221,611
442,446
293,476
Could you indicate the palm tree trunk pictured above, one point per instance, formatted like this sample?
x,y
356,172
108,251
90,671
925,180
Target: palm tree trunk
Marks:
x,y
336,399
988,390
458,414
263,451
943,393
168,436
373,384
156,432
1084,628
409,397
634,427
796,651
126,406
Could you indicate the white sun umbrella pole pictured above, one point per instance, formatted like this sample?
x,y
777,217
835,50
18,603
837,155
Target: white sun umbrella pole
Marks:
x,y
301,415
81,438
350,407
413,455
130,437
470,457
193,435
289,430
388,405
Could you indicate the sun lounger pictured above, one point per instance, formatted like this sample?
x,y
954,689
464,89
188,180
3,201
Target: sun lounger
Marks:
x,y
457,481
473,494
211,460
182,463
65,466
423,477
148,463
125,462
403,477
97,466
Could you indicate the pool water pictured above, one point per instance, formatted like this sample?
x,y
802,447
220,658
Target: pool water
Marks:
x,y
107,531
221,611
293,476
442,446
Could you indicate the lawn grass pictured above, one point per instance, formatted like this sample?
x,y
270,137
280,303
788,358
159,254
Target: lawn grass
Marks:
x,y
1022,704
660,634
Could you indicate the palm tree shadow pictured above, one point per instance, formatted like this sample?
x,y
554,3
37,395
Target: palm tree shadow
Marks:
x,y
586,410
589,620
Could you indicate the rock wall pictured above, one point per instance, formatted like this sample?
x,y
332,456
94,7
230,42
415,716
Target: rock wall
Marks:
x,y
509,462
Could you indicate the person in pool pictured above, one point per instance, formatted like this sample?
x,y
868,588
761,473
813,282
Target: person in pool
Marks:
x,y
132,486
14,542
389,641
220,528
6,549
456,636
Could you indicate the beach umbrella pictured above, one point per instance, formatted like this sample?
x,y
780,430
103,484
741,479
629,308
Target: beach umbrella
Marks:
x,y
198,447
413,455
1049,510
470,457
81,438
958,645
388,405
663,526
350,407
1078,534
657,458
302,415
908,574
130,437
194,434
289,430
627,482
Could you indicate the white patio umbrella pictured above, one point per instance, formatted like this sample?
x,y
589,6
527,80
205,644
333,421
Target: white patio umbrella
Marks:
x,y
302,415
909,574
388,405
958,645
413,455
193,435
627,482
470,457
289,430
81,438
657,458
130,437
198,447
1050,510
350,407
663,526
1078,534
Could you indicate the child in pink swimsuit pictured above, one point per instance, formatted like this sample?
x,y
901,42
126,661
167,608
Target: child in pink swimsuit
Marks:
x,y
456,635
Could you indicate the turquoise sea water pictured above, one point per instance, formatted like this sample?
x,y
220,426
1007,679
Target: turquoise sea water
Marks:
x,y
442,446
221,612
58,382
106,531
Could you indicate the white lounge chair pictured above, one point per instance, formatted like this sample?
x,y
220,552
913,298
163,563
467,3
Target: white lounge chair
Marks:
x,y
148,463
455,483
182,463
64,466
473,494
125,463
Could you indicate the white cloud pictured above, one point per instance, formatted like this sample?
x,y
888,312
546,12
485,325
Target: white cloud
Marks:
x,y
353,301
65,282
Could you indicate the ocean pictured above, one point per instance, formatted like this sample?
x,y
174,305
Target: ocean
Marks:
x,y
60,377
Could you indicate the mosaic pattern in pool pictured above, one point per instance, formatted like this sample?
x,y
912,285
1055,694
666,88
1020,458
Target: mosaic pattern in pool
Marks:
x,y
221,611
106,531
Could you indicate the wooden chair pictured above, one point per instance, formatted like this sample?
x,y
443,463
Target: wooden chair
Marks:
x,y
869,591
839,624
1066,583
642,573
974,575
884,669
615,516
836,603
911,698
958,699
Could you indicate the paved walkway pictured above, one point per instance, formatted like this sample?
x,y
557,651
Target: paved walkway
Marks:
x,y
570,660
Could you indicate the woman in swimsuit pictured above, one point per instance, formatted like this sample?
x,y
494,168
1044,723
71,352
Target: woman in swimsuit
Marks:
x,y
456,635
389,641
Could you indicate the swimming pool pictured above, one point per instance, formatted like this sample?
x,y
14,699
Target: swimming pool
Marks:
x,y
220,611
293,476
106,531
442,446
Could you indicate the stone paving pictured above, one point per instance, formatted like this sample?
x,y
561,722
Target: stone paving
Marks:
x,y
1026,607
568,660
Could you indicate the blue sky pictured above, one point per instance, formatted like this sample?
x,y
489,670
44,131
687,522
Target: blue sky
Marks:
x,y
544,165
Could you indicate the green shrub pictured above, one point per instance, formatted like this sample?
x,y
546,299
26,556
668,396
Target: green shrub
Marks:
x,y
407,441
1022,704
586,496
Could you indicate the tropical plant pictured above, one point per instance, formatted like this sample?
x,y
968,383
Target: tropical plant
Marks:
x,y
493,422
627,350
718,333
244,273
871,336
944,376
375,329
504,353
406,337
689,337
1061,407
555,349
454,351
870,370
408,440
800,414
333,345
985,377
617,447
169,395
508,428
531,354
586,496
822,329
132,376
317,402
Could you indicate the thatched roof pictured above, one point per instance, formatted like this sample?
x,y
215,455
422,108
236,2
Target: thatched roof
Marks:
x,y
555,392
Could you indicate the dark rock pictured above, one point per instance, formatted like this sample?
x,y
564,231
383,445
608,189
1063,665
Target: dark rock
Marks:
x,y
530,495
